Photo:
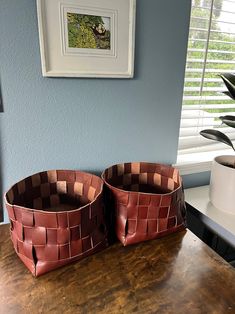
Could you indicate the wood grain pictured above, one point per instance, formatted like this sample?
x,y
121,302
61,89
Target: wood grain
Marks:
x,y
175,274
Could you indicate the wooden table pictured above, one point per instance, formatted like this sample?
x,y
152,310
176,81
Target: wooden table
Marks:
x,y
175,274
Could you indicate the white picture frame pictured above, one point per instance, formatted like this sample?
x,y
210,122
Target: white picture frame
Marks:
x,y
87,38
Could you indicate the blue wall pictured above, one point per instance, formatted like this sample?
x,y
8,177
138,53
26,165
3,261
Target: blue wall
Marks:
x,y
196,179
89,124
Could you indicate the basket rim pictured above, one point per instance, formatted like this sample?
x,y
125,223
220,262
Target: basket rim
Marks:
x,y
55,212
144,193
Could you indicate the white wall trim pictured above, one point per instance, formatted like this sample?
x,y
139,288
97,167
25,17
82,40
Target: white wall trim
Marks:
x,y
191,168
198,162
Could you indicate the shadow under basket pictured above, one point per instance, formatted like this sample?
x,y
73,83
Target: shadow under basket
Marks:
x,y
57,217
148,199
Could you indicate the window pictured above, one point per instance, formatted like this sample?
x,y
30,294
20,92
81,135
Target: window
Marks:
x,y
211,51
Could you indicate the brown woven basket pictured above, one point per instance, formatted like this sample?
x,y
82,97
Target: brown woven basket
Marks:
x,y
56,218
148,200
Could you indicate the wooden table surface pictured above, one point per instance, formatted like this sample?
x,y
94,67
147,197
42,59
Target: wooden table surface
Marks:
x,y
175,274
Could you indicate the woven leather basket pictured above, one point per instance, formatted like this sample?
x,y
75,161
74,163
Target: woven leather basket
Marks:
x,y
56,218
148,200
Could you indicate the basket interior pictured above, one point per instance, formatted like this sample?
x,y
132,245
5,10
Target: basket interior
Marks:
x,y
143,177
56,190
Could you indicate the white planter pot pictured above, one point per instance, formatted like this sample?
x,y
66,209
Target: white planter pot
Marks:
x,y
222,184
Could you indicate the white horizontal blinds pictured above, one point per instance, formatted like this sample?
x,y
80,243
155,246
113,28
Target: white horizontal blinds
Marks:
x,y
211,50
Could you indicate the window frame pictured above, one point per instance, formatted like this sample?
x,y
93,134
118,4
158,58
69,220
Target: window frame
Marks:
x,y
202,163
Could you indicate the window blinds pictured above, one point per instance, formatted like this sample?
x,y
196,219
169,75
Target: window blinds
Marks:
x,y
211,51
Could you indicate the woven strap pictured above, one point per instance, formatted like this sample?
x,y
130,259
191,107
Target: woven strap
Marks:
x,y
148,198
56,217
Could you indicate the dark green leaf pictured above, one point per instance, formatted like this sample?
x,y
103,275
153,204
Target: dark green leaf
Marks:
x,y
229,81
217,136
229,95
228,120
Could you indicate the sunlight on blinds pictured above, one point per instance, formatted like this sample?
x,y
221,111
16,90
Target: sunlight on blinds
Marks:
x,y
211,51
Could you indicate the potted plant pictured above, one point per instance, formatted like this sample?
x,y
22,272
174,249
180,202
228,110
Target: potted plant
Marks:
x,y
222,183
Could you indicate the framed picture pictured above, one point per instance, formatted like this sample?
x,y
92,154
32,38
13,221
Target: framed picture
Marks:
x,y
87,38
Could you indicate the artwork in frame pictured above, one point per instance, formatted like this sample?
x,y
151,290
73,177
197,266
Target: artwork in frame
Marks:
x,y
88,31
87,38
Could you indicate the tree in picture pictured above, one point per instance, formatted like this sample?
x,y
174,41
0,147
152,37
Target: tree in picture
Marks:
x,y
88,31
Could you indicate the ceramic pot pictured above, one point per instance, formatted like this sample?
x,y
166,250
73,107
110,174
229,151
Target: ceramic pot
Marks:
x,y
222,183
